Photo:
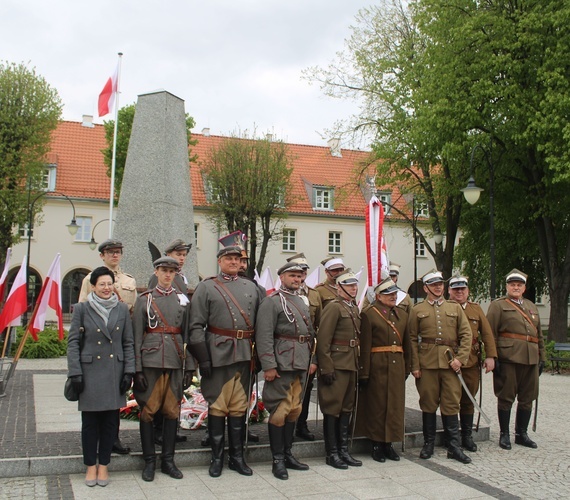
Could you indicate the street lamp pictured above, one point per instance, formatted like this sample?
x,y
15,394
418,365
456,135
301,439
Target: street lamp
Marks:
x,y
93,243
472,193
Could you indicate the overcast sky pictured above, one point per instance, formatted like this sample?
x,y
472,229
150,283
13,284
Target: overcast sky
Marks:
x,y
236,63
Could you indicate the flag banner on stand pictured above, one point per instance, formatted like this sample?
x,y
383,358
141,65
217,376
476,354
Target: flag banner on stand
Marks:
x,y
108,94
376,251
50,296
5,273
17,300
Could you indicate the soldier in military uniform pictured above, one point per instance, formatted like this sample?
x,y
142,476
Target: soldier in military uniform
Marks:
x,y
315,308
337,354
384,366
334,267
224,310
437,326
482,335
520,345
111,253
403,299
160,326
284,338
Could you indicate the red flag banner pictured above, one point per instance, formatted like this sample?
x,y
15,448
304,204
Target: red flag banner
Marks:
x,y
50,296
17,301
107,95
5,273
376,251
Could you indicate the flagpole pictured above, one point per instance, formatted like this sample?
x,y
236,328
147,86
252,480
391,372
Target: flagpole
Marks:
x,y
114,158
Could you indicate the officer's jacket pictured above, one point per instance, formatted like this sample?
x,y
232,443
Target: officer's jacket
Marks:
x,y
481,330
447,326
212,306
125,288
327,292
315,306
504,317
339,337
156,344
281,343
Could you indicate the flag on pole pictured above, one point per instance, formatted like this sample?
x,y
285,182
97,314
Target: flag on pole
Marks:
x,y
376,251
266,281
50,296
108,94
17,301
5,273
314,278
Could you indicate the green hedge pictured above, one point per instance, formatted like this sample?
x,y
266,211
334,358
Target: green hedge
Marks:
x,y
47,346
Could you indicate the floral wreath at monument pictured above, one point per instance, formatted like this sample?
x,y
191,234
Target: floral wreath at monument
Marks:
x,y
194,409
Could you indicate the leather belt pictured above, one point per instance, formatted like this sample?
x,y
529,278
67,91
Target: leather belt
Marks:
x,y
388,348
164,329
349,343
519,336
300,338
236,334
438,341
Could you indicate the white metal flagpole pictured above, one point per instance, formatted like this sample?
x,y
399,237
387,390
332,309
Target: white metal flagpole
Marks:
x,y
114,159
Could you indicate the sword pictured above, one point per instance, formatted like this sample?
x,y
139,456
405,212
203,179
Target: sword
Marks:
x,y
535,415
449,356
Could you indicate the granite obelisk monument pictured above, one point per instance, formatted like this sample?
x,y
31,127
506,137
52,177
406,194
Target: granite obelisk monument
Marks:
x,y
155,204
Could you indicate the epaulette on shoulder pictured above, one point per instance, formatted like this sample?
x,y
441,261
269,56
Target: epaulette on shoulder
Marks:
x,y
451,301
129,275
273,293
210,278
146,292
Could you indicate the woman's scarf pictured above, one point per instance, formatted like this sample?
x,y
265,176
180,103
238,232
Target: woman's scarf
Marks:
x,y
102,307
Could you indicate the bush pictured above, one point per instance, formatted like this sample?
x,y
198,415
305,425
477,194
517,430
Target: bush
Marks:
x,y
47,346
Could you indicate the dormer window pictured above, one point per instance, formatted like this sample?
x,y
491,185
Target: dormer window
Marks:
x,y
49,177
386,200
323,198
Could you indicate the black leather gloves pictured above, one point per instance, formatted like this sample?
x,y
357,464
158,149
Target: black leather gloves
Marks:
x,y
187,380
141,383
327,378
77,383
126,382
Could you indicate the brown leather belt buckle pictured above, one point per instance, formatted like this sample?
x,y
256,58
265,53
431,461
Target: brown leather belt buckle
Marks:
x,y
438,341
302,339
239,334
394,348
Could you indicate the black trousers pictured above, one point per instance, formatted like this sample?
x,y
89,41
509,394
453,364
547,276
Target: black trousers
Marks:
x,y
98,433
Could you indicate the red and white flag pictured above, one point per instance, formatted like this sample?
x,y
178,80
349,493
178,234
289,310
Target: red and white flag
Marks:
x,y
108,94
376,251
50,296
17,301
314,278
5,273
266,281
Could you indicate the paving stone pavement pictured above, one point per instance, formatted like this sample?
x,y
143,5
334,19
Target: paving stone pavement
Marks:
x,y
494,473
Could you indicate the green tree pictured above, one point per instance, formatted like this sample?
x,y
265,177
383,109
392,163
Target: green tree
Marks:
x,y
249,189
126,117
30,110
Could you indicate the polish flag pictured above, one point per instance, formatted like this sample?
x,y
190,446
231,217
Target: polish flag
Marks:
x,y
314,278
108,94
266,281
5,273
50,296
376,251
17,301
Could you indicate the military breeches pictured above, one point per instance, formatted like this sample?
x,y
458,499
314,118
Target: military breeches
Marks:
x,y
227,390
339,397
282,397
439,387
471,377
516,381
163,394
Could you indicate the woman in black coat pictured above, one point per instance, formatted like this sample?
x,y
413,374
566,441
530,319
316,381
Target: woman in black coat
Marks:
x,y
101,364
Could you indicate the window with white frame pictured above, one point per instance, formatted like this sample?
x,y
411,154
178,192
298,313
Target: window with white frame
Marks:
x,y
420,249
422,210
386,200
289,240
84,231
48,182
335,240
196,228
24,232
322,198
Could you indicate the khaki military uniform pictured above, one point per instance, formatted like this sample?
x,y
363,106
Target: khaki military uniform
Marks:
x,y
405,304
481,331
434,329
125,288
337,351
385,362
227,329
327,292
160,326
520,347
284,339
315,304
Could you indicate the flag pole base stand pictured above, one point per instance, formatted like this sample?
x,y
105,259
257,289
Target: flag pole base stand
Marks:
x,y
5,374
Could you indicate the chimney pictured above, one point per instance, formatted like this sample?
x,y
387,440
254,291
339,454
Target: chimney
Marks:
x,y
206,132
334,145
87,121
269,137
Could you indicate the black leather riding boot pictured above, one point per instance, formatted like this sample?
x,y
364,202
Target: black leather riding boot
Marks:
x,y
236,435
277,445
330,425
378,452
451,425
169,428
467,432
148,451
290,461
390,452
504,423
302,428
216,433
343,435
521,428
429,421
